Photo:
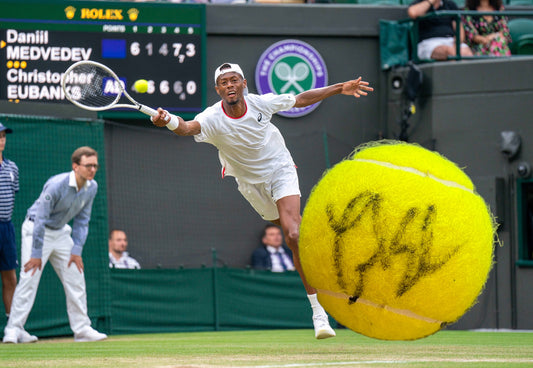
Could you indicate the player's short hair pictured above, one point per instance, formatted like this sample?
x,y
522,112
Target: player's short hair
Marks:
x,y
82,151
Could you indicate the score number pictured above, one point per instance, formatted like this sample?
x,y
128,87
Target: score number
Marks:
x,y
178,88
176,48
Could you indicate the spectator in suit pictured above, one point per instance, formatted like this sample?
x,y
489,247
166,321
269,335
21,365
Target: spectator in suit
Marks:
x,y
272,254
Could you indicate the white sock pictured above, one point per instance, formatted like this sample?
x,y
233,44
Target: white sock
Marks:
x,y
315,305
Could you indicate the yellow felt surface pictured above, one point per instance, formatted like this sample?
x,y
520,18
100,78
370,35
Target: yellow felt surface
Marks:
x,y
398,239
141,85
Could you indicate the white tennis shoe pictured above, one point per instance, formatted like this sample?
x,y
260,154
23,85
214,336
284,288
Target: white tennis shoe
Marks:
x,y
15,335
25,337
322,328
89,334
10,336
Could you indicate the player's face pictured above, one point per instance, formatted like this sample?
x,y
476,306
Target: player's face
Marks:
x,y
273,237
87,167
230,87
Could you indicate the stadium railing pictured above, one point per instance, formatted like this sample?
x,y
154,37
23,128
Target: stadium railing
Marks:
x,y
412,36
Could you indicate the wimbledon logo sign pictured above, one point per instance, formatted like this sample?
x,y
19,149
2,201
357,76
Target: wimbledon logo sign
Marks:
x,y
291,66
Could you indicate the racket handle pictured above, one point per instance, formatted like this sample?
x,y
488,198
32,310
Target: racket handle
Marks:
x,y
147,110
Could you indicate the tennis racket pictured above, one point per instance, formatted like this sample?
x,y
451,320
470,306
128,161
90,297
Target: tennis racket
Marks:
x,y
93,86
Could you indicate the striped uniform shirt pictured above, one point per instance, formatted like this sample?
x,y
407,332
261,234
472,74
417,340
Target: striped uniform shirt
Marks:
x,y
9,185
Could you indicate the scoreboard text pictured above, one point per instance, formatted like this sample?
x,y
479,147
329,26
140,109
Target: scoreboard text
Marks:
x,y
162,43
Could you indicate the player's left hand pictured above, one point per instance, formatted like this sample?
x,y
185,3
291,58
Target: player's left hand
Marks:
x,y
77,261
356,88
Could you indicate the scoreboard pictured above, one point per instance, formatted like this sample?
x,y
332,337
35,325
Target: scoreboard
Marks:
x,y
163,43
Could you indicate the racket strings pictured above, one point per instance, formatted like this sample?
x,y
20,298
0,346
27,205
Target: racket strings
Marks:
x,y
91,86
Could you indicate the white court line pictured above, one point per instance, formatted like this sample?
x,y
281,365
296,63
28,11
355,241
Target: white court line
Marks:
x,y
365,362
332,363
371,362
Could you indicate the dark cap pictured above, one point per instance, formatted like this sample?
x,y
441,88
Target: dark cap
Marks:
x,y
2,128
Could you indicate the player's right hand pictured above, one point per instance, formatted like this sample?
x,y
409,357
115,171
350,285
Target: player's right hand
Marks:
x,y
162,118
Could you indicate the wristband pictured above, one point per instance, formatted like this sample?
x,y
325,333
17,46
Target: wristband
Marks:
x,y
174,122
430,3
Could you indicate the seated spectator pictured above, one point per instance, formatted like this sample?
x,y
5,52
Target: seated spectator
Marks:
x,y
118,257
272,254
436,34
487,35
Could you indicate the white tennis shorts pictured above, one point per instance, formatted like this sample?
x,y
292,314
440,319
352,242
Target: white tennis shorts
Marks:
x,y
426,47
263,196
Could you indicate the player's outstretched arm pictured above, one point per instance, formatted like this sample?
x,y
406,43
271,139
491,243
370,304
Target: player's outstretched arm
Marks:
x,y
356,88
175,123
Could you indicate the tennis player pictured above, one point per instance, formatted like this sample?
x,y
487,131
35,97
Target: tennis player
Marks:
x,y
252,150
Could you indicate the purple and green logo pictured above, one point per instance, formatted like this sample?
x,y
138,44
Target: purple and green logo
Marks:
x,y
291,66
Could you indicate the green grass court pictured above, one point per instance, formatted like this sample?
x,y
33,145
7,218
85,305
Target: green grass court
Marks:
x,y
276,349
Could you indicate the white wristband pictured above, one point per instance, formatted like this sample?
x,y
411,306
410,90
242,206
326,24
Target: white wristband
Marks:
x,y
174,122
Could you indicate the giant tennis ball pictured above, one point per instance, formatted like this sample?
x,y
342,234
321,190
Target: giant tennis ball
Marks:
x,y
396,241
141,85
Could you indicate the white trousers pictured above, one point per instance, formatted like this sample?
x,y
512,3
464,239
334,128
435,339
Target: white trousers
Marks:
x,y
56,248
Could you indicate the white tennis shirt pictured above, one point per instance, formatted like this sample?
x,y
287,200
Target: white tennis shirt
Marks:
x,y
250,147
